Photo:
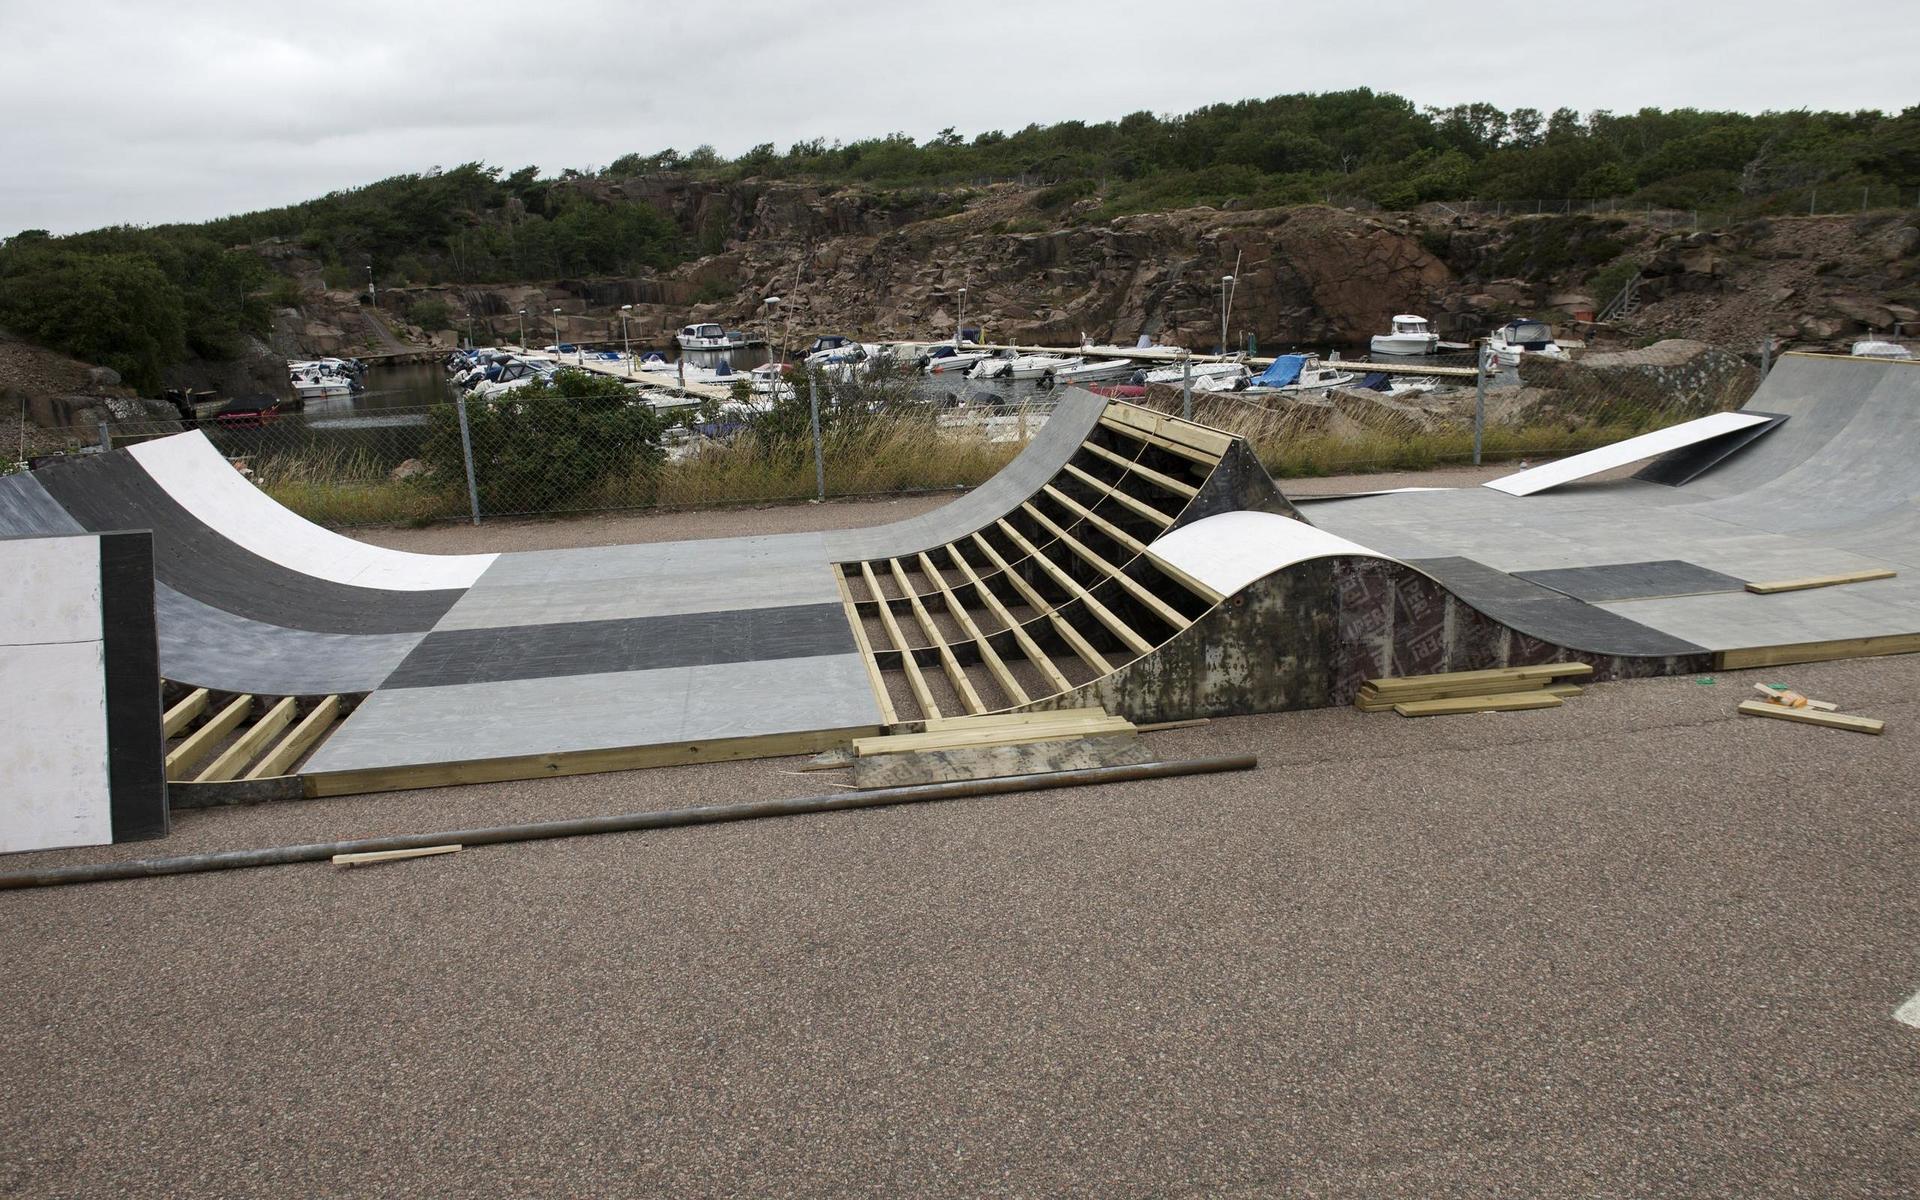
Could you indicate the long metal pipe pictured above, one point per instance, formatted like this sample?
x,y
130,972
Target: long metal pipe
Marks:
x,y
229,860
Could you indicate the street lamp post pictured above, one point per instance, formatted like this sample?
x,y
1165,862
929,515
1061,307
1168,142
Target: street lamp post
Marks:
x,y
373,298
626,346
960,321
556,331
1226,281
769,303
523,329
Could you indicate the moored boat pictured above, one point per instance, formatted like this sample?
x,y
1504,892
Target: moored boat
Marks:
x,y
1411,335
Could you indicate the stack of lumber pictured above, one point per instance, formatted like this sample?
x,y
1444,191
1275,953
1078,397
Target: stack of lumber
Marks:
x,y
1499,689
996,729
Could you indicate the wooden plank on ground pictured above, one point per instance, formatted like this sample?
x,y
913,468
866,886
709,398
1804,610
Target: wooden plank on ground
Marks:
x,y
183,758
1811,716
995,762
1005,735
182,714
311,729
1043,716
234,759
1510,702
1547,671
1800,652
379,856
1819,581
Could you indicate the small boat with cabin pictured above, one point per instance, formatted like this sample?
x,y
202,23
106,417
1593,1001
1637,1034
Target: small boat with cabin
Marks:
x,y
1411,335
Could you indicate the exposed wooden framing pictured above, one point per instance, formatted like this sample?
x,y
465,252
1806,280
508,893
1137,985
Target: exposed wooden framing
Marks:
x,y
248,745
995,665
578,762
956,674
1170,427
1152,476
1045,716
1106,616
289,749
1131,503
1799,652
1819,581
1450,706
994,735
1133,544
1021,637
1811,716
921,695
1133,587
1152,439
200,743
1040,604
874,678
182,714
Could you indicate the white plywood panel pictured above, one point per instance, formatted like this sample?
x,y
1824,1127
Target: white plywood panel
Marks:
x,y
53,757
1231,550
1619,454
49,590
195,474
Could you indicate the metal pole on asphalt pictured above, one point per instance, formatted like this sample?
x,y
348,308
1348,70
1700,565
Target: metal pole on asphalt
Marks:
x,y
1186,386
466,452
819,455
1479,401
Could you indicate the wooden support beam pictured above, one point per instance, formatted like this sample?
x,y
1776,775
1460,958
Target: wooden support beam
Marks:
x,y
1511,702
995,665
1819,581
996,735
1131,503
1133,587
956,674
182,714
874,678
1133,544
1106,616
1165,482
921,695
1040,604
1146,438
289,749
1811,716
1799,652
247,746
187,755
1021,637
1169,427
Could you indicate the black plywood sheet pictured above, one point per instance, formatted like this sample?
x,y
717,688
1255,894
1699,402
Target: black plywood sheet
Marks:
x,y
1607,582
136,751
1688,463
1549,616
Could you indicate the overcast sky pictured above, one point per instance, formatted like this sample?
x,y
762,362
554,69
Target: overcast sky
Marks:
x,y
146,113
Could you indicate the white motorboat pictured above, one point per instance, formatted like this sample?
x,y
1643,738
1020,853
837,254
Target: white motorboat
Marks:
x,y
1520,337
1217,373
1083,371
515,373
1037,366
1411,335
315,385
1876,348
834,348
1299,373
947,359
704,337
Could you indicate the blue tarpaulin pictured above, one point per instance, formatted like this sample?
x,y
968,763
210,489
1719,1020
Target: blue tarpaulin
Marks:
x,y
1284,371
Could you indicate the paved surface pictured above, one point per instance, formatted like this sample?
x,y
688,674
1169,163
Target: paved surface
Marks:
x,y
1635,946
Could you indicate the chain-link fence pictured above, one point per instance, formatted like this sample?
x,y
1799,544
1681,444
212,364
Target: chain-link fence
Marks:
x,y
842,434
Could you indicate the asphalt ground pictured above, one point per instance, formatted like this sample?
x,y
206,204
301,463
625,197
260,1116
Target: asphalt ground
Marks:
x,y
1635,946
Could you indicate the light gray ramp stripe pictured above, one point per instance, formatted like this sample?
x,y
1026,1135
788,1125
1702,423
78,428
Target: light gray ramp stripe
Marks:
x,y
212,648
27,508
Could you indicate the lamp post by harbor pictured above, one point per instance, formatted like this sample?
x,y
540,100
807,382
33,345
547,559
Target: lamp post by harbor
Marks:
x,y
1226,281
769,303
556,331
523,329
372,297
626,346
960,321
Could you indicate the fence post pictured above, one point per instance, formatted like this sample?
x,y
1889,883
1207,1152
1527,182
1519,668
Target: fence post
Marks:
x,y
1766,356
1186,386
819,455
1479,401
106,437
466,452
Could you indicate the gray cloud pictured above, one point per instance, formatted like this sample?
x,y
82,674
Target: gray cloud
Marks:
x,y
148,113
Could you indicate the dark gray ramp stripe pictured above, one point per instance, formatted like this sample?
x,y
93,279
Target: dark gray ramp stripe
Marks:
x,y
130,666
1542,613
111,491
1676,468
639,644
1607,582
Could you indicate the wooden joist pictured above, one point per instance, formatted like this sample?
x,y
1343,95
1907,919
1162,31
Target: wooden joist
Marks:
x,y
1121,537
1149,438
1379,695
1170,427
998,730
182,714
1129,502
1106,616
874,678
1040,604
182,759
956,675
1811,716
1819,581
896,641
302,737
1167,482
996,667
1001,613
1133,587
1504,702
1801,652
247,746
